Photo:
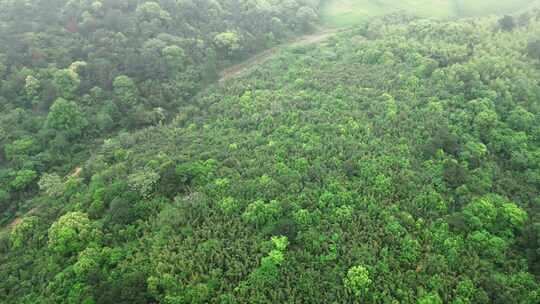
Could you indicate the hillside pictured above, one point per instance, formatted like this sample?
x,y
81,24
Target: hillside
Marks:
x,y
397,161
391,164
73,73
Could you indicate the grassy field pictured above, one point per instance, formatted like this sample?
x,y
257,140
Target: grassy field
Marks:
x,y
344,13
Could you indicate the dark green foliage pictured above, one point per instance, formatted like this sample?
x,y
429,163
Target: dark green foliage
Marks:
x,y
533,49
507,23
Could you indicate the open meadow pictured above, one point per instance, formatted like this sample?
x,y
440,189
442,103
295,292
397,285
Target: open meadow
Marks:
x,y
344,13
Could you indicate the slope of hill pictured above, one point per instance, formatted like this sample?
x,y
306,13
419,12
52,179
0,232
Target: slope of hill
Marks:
x,y
396,163
75,72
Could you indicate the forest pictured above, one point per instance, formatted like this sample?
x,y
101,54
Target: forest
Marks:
x,y
395,161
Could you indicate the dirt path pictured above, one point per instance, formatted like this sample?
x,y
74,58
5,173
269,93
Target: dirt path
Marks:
x,y
244,67
19,219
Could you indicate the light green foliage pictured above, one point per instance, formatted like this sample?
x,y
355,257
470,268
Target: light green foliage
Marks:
x,y
514,216
358,281
494,214
21,149
259,213
229,206
88,261
486,120
71,233
268,271
480,213
65,116
410,250
31,88
520,119
464,292
430,298
303,217
474,152
343,213
196,173
23,179
391,106
66,82
148,11
280,242
77,66
25,232
52,184
229,42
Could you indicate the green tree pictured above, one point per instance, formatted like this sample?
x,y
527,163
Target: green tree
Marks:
x,y
486,120
229,206
306,16
25,233
430,298
23,179
268,271
488,245
143,181
175,58
20,149
464,292
52,184
228,42
151,10
65,116
513,216
474,153
260,213
480,213
32,88
521,120
358,281
66,82
125,92
71,233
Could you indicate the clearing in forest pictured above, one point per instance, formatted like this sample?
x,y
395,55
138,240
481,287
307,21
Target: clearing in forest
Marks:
x,y
346,13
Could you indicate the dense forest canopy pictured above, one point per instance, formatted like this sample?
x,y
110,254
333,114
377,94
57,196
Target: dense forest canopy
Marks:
x,y
75,72
396,162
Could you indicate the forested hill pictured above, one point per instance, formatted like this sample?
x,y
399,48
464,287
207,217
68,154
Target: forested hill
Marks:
x,y
396,163
168,48
73,73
